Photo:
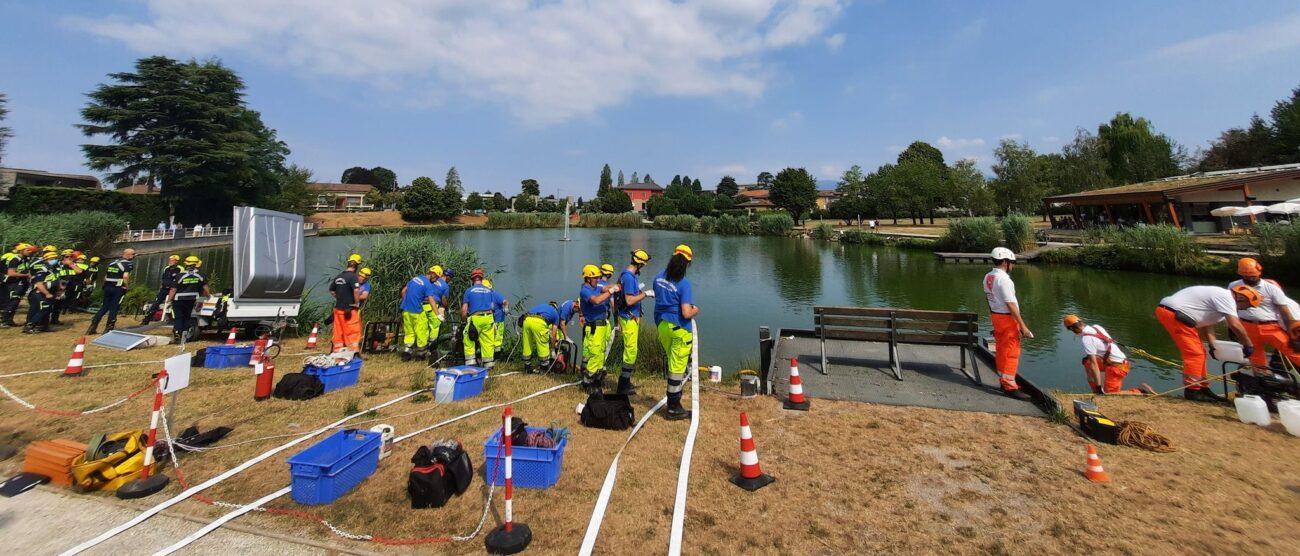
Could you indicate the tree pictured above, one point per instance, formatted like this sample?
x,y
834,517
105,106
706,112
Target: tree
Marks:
x,y
357,174
420,202
530,187
727,186
676,190
677,180
1135,152
795,191
695,205
1240,148
723,202
968,189
605,182
660,205
920,150
920,180
634,178
1286,129
524,202
620,179
1020,184
696,186
185,126
294,196
764,180
686,181
423,180
386,179
5,132
616,202
452,183
1083,165
647,179
474,202
499,202
549,204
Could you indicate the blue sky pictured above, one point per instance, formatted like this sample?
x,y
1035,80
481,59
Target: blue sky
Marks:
x,y
551,90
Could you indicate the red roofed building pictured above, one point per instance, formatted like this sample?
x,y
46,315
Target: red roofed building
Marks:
x,y
641,193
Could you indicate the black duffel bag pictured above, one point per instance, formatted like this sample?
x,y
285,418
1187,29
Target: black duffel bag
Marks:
x,y
608,411
438,473
298,386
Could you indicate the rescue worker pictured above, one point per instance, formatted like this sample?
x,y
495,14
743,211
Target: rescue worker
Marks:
x,y
346,290
1272,323
92,275
594,304
69,274
184,295
165,284
675,311
1008,325
499,308
18,272
1190,315
607,274
544,326
417,296
1104,364
436,312
364,275
629,317
40,298
116,281
476,310
76,284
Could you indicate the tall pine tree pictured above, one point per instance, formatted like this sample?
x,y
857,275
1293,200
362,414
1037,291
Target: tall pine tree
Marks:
x,y
606,180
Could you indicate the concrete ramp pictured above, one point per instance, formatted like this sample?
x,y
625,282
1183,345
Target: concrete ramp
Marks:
x,y
860,371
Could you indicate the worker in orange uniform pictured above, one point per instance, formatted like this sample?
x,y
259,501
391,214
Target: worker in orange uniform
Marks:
x,y
1104,364
1267,324
1008,325
1190,315
346,289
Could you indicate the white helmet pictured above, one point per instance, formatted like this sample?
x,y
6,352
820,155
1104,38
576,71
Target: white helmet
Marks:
x,y
1003,254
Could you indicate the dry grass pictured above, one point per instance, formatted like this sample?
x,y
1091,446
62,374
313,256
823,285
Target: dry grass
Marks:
x,y
851,477
380,218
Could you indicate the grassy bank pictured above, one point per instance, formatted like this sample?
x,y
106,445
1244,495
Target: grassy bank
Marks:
x,y
411,228
1162,249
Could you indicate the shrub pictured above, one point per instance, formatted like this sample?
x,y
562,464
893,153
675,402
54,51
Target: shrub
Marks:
x,y
518,220
678,222
89,231
860,237
143,211
617,220
1278,246
775,224
1147,248
396,257
822,231
708,225
1018,233
973,235
732,224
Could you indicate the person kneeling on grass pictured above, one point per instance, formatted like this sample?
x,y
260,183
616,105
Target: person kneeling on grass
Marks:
x,y
1103,363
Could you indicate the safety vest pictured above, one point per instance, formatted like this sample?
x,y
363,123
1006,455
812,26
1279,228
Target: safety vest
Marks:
x,y
42,274
189,285
117,271
8,259
110,461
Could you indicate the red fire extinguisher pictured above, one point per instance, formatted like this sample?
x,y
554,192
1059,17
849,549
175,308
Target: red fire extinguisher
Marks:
x,y
259,349
265,372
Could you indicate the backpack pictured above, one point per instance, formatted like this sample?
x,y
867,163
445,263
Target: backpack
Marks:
x,y
620,298
298,386
437,474
608,411
456,462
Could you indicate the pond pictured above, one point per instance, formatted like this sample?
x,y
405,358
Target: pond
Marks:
x,y
743,282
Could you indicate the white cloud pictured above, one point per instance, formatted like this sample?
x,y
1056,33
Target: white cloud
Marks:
x,y
1011,136
789,120
547,61
835,42
946,142
1276,35
732,170
895,149
829,171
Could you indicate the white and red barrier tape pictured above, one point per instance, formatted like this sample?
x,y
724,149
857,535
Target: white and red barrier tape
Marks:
x,y
65,413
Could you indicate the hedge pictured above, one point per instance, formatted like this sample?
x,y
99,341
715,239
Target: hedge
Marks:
x,y
142,211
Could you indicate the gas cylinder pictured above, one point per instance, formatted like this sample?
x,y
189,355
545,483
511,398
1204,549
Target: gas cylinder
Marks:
x,y
265,373
259,349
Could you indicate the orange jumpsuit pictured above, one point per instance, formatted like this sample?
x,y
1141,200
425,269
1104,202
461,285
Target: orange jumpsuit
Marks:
x,y
1112,374
1188,342
347,331
1006,332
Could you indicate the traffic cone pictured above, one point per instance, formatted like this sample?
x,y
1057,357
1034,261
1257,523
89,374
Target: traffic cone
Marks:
x,y
796,400
78,359
751,476
230,339
311,340
1093,470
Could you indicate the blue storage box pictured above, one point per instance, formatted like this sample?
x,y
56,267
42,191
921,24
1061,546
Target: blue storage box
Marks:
x,y
469,381
331,467
532,467
336,376
223,356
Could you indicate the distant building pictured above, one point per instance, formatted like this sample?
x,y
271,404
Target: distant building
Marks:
x,y
341,197
641,193
754,200
824,198
140,189
10,177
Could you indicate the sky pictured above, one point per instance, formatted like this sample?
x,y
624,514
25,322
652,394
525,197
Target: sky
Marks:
x,y
553,89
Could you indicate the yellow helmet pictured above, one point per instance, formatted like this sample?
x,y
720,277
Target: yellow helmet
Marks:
x,y
94,259
591,271
51,248
173,258
639,256
487,282
354,258
191,260
685,251
67,253
436,270
81,256
49,255
607,269
22,247
367,272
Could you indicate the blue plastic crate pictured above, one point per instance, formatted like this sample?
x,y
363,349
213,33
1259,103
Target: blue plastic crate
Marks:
x,y
223,356
532,467
469,380
331,467
336,376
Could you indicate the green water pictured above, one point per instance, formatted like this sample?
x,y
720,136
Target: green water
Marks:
x,y
744,282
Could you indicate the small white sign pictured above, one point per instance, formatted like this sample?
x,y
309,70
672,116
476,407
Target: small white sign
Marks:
x,y
178,372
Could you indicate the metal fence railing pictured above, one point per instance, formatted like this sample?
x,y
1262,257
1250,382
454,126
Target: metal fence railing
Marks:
x,y
179,233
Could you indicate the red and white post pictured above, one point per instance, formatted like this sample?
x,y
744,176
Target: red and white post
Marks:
x,y
315,333
751,476
796,399
149,484
509,538
230,338
76,363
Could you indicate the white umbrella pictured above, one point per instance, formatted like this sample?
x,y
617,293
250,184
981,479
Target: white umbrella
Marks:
x,y
1285,208
1253,209
1227,211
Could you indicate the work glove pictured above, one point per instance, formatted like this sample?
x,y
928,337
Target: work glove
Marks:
x,y
614,288
441,314
1212,354
1248,350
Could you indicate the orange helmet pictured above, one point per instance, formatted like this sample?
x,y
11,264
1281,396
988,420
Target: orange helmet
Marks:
x,y
1070,320
1248,293
476,274
1249,268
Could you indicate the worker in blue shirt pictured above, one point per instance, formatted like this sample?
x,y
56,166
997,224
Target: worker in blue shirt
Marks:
x,y
476,310
436,311
417,294
628,303
674,310
544,327
594,304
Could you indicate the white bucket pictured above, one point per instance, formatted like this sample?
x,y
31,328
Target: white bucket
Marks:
x,y
1229,352
1289,411
715,374
386,439
1253,409
445,388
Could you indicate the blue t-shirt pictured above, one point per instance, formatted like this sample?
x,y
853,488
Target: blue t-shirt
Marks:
x,y
416,291
439,290
631,286
593,311
365,294
479,298
554,316
669,297
498,307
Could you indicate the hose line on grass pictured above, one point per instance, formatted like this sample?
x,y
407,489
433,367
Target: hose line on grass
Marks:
x,y
1140,435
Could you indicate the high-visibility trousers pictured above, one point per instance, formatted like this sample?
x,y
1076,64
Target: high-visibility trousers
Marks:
x,y
1112,375
1271,334
536,339
1006,332
630,329
486,328
676,342
500,336
415,329
347,331
1188,342
434,323
594,339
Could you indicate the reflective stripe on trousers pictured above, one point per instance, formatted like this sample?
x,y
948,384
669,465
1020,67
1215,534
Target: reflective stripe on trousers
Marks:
x,y
1006,332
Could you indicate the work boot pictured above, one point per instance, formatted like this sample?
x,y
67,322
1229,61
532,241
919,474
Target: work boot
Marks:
x,y
1016,395
1202,395
29,328
406,354
112,325
594,384
625,387
676,412
93,329
7,320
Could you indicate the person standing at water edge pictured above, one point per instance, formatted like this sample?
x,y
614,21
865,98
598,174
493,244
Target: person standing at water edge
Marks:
x,y
543,327
594,300
1103,363
1265,324
629,317
169,275
435,312
1008,325
674,312
476,310
417,296
117,279
346,289
184,295
1191,314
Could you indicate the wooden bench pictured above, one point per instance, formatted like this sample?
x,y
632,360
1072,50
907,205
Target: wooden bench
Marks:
x,y
899,326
